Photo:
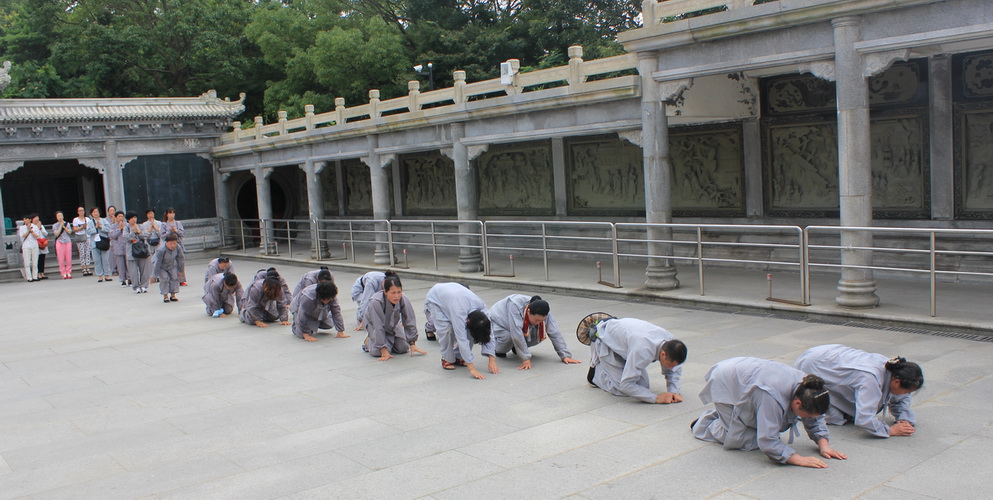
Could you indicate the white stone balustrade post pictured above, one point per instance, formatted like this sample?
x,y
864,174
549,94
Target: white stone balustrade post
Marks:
x,y
309,116
374,104
339,111
413,95
576,65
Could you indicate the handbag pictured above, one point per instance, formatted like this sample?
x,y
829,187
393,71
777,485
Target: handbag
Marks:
x,y
101,243
139,249
42,243
154,240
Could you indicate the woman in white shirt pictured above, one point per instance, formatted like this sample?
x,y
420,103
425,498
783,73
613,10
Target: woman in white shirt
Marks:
x,y
29,234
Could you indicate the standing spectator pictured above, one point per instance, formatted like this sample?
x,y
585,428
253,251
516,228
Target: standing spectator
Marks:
x,y
137,266
109,256
101,245
63,245
119,245
154,230
81,236
173,226
166,265
29,234
42,252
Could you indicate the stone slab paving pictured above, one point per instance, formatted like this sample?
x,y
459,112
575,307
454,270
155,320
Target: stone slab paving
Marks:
x,y
106,394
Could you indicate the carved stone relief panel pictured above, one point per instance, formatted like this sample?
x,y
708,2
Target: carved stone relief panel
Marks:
x,y
605,175
797,94
428,184
975,75
707,171
358,188
974,178
516,179
902,84
329,185
899,165
802,163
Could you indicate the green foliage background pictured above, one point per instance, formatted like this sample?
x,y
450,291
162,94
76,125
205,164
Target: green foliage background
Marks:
x,y
288,53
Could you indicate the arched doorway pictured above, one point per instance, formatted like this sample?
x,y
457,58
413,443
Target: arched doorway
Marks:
x,y
46,186
248,202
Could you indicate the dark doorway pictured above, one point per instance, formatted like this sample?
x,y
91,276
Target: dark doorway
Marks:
x,y
44,187
248,202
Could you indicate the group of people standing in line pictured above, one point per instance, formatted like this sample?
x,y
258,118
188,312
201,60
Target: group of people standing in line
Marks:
x,y
107,246
754,400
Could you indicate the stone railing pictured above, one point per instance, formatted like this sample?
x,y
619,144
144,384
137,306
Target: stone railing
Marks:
x,y
655,12
571,79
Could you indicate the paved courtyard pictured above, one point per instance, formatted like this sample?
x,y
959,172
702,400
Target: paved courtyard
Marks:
x,y
105,394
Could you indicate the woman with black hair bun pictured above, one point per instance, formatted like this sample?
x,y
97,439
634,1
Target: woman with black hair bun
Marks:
x,y
757,399
459,318
862,384
520,322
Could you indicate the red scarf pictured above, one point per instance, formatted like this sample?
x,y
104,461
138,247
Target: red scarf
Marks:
x,y
527,326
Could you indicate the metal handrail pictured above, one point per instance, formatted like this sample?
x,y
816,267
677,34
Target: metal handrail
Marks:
x,y
932,251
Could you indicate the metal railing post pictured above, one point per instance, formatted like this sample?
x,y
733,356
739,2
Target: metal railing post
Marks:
x,y
351,240
485,249
544,248
699,256
241,224
434,247
289,240
316,241
617,259
934,277
805,266
389,241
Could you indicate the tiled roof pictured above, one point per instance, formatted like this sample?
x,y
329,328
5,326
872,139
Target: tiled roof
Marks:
x,y
205,107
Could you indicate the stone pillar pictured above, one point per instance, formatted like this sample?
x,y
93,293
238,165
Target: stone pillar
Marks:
x,y
856,287
942,138
263,191
315,202
6,167
339,182
660,273
380,198
558,175
467,201
752,149
222,204
113,177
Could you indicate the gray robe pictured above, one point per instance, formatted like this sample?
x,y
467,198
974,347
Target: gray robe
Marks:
x,y
366,286
255,307
212,269
137,268
446,307
752,407
284,298
859,385
309,278
381,323
507,318
217,296
166,266
310,314
621,352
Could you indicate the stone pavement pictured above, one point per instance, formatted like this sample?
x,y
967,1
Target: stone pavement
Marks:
x,y
104,394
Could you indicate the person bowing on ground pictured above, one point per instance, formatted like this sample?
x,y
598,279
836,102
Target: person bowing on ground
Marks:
x,y
621,350
390,322
221,293
366,286
312,311
218,265
755,400
458,316
263,303
520,322
862,384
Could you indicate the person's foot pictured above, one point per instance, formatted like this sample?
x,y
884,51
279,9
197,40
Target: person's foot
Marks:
x,y
123,283
446,365
137,290
182,283
165,298
589,377
144,290
100,280
174,298
693,423
501,354
430,336
459,362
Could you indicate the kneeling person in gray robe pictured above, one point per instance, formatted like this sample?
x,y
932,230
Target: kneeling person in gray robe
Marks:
x,y
620,354
386,311
312,311
263,303
220,294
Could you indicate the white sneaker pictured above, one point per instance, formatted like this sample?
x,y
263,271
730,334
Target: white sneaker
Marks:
x,y
137,290
144,290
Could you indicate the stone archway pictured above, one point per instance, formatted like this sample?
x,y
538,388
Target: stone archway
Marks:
x,y
45,186
247,205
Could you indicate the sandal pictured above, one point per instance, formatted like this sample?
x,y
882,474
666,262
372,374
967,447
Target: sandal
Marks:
x,y
430,336
446,365
460,362
174,299
165,300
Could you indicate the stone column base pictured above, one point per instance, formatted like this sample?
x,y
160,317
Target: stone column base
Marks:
x,y
857,293
470,261
661,277
382,256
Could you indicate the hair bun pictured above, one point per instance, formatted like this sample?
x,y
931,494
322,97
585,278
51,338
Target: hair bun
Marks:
x,y
896,363
534,298
813,382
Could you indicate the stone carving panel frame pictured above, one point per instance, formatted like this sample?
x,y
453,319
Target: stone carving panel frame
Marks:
x,y
973,155
708,177
604,176
901,172
428,181
516,179
801,168
358,187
